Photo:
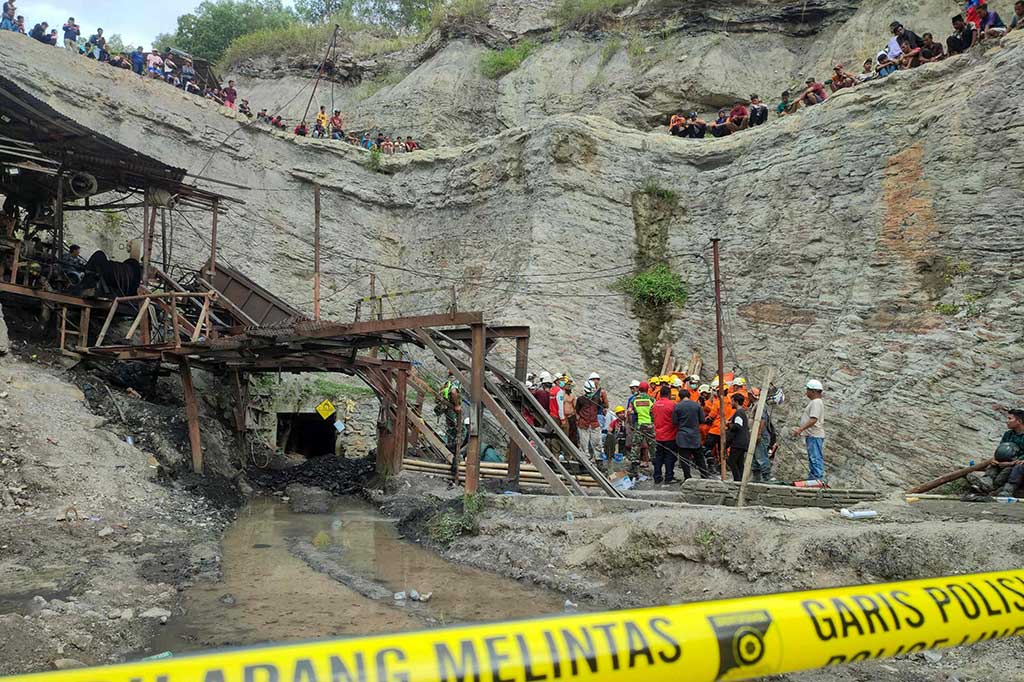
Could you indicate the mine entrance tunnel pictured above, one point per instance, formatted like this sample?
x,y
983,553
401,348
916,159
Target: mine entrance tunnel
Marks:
x,y
306,433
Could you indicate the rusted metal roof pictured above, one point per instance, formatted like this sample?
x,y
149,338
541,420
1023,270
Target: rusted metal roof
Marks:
x,y
33,132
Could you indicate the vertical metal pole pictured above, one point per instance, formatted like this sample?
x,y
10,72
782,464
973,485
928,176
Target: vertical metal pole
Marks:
x,y
316,252
373,307
163,237
522,358
721,357
213,243
58,219
479,343
401,426
145,233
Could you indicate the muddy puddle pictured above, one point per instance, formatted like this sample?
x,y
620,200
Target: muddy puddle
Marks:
x,y
268,594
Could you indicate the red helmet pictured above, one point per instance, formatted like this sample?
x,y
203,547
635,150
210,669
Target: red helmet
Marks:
x,y
644,386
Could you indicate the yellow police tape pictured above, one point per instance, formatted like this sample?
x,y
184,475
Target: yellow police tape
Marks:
x,y
738,639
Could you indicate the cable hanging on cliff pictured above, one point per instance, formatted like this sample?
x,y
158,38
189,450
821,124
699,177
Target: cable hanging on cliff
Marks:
x,y
320,72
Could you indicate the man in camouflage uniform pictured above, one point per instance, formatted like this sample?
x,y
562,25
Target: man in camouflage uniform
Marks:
x,y
643,428
451,397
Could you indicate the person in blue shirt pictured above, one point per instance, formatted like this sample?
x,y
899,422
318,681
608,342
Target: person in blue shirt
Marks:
x,y
71,33
139,60
885,65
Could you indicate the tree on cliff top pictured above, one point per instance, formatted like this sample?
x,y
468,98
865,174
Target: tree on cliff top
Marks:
x,y
400,16
209,29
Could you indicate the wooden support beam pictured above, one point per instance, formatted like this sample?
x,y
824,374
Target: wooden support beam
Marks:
x,y
949,478
754,436
548,422
522,359
192,414
476,410
428,434
399,427
502,416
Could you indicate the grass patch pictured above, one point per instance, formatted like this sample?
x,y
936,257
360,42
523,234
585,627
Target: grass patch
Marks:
x,y
610,49
653,189
494,65
584,13
655,287
458,11
296,39
448,525
376,160
636,47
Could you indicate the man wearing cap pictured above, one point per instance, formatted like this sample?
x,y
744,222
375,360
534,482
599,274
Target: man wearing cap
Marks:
x,y
589,409
841,78
965,36
812,428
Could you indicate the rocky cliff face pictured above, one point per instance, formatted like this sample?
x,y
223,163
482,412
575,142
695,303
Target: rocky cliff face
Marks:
x,y
873,242
654,59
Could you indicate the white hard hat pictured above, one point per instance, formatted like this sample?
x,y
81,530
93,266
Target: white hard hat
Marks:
x,y
704,388
588,386
634,384
677,382
815,385
693,379
545,378
594,375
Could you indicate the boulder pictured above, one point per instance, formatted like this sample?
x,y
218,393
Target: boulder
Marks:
x,y
307,499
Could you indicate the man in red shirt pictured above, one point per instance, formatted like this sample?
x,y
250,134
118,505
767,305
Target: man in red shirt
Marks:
x,y
739,117
664,436
814,93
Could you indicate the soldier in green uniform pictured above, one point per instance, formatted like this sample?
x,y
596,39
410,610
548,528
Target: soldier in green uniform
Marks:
x,y
451,397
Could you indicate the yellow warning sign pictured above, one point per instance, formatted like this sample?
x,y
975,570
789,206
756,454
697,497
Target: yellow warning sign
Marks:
x,y
325,409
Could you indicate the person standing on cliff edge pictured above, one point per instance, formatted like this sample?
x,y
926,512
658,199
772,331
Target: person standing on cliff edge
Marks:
x,y
812,428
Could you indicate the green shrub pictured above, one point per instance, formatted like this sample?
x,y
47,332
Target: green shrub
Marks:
x,y
376,161
576,13
657,286
496,64
446,526
296,39
458,11
653,189
610,49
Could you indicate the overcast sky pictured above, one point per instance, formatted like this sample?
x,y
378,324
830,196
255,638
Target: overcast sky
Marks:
x,y
137,22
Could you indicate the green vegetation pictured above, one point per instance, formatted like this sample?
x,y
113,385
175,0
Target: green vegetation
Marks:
x,y
448,525
610,49
652,189
657,286
376,161
458,11
496,64
580,13
276,42
208,30
635,46
321,539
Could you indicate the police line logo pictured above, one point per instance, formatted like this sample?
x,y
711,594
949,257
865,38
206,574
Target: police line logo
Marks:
x,y
748,645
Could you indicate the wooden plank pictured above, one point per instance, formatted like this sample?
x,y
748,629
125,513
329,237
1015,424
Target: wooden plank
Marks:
x,y
28,292
138,319
948,478
552,426
84,319
503,419
197,331
748,461
428,434
192,414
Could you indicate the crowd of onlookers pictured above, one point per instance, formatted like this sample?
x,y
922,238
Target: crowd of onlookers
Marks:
x,y
332,127
905,50
171,66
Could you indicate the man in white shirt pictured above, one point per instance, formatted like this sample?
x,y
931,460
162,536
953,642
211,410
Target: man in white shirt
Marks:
x,y
812,428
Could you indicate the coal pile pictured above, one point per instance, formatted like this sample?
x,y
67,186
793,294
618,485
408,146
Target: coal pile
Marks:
x,y
340,476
